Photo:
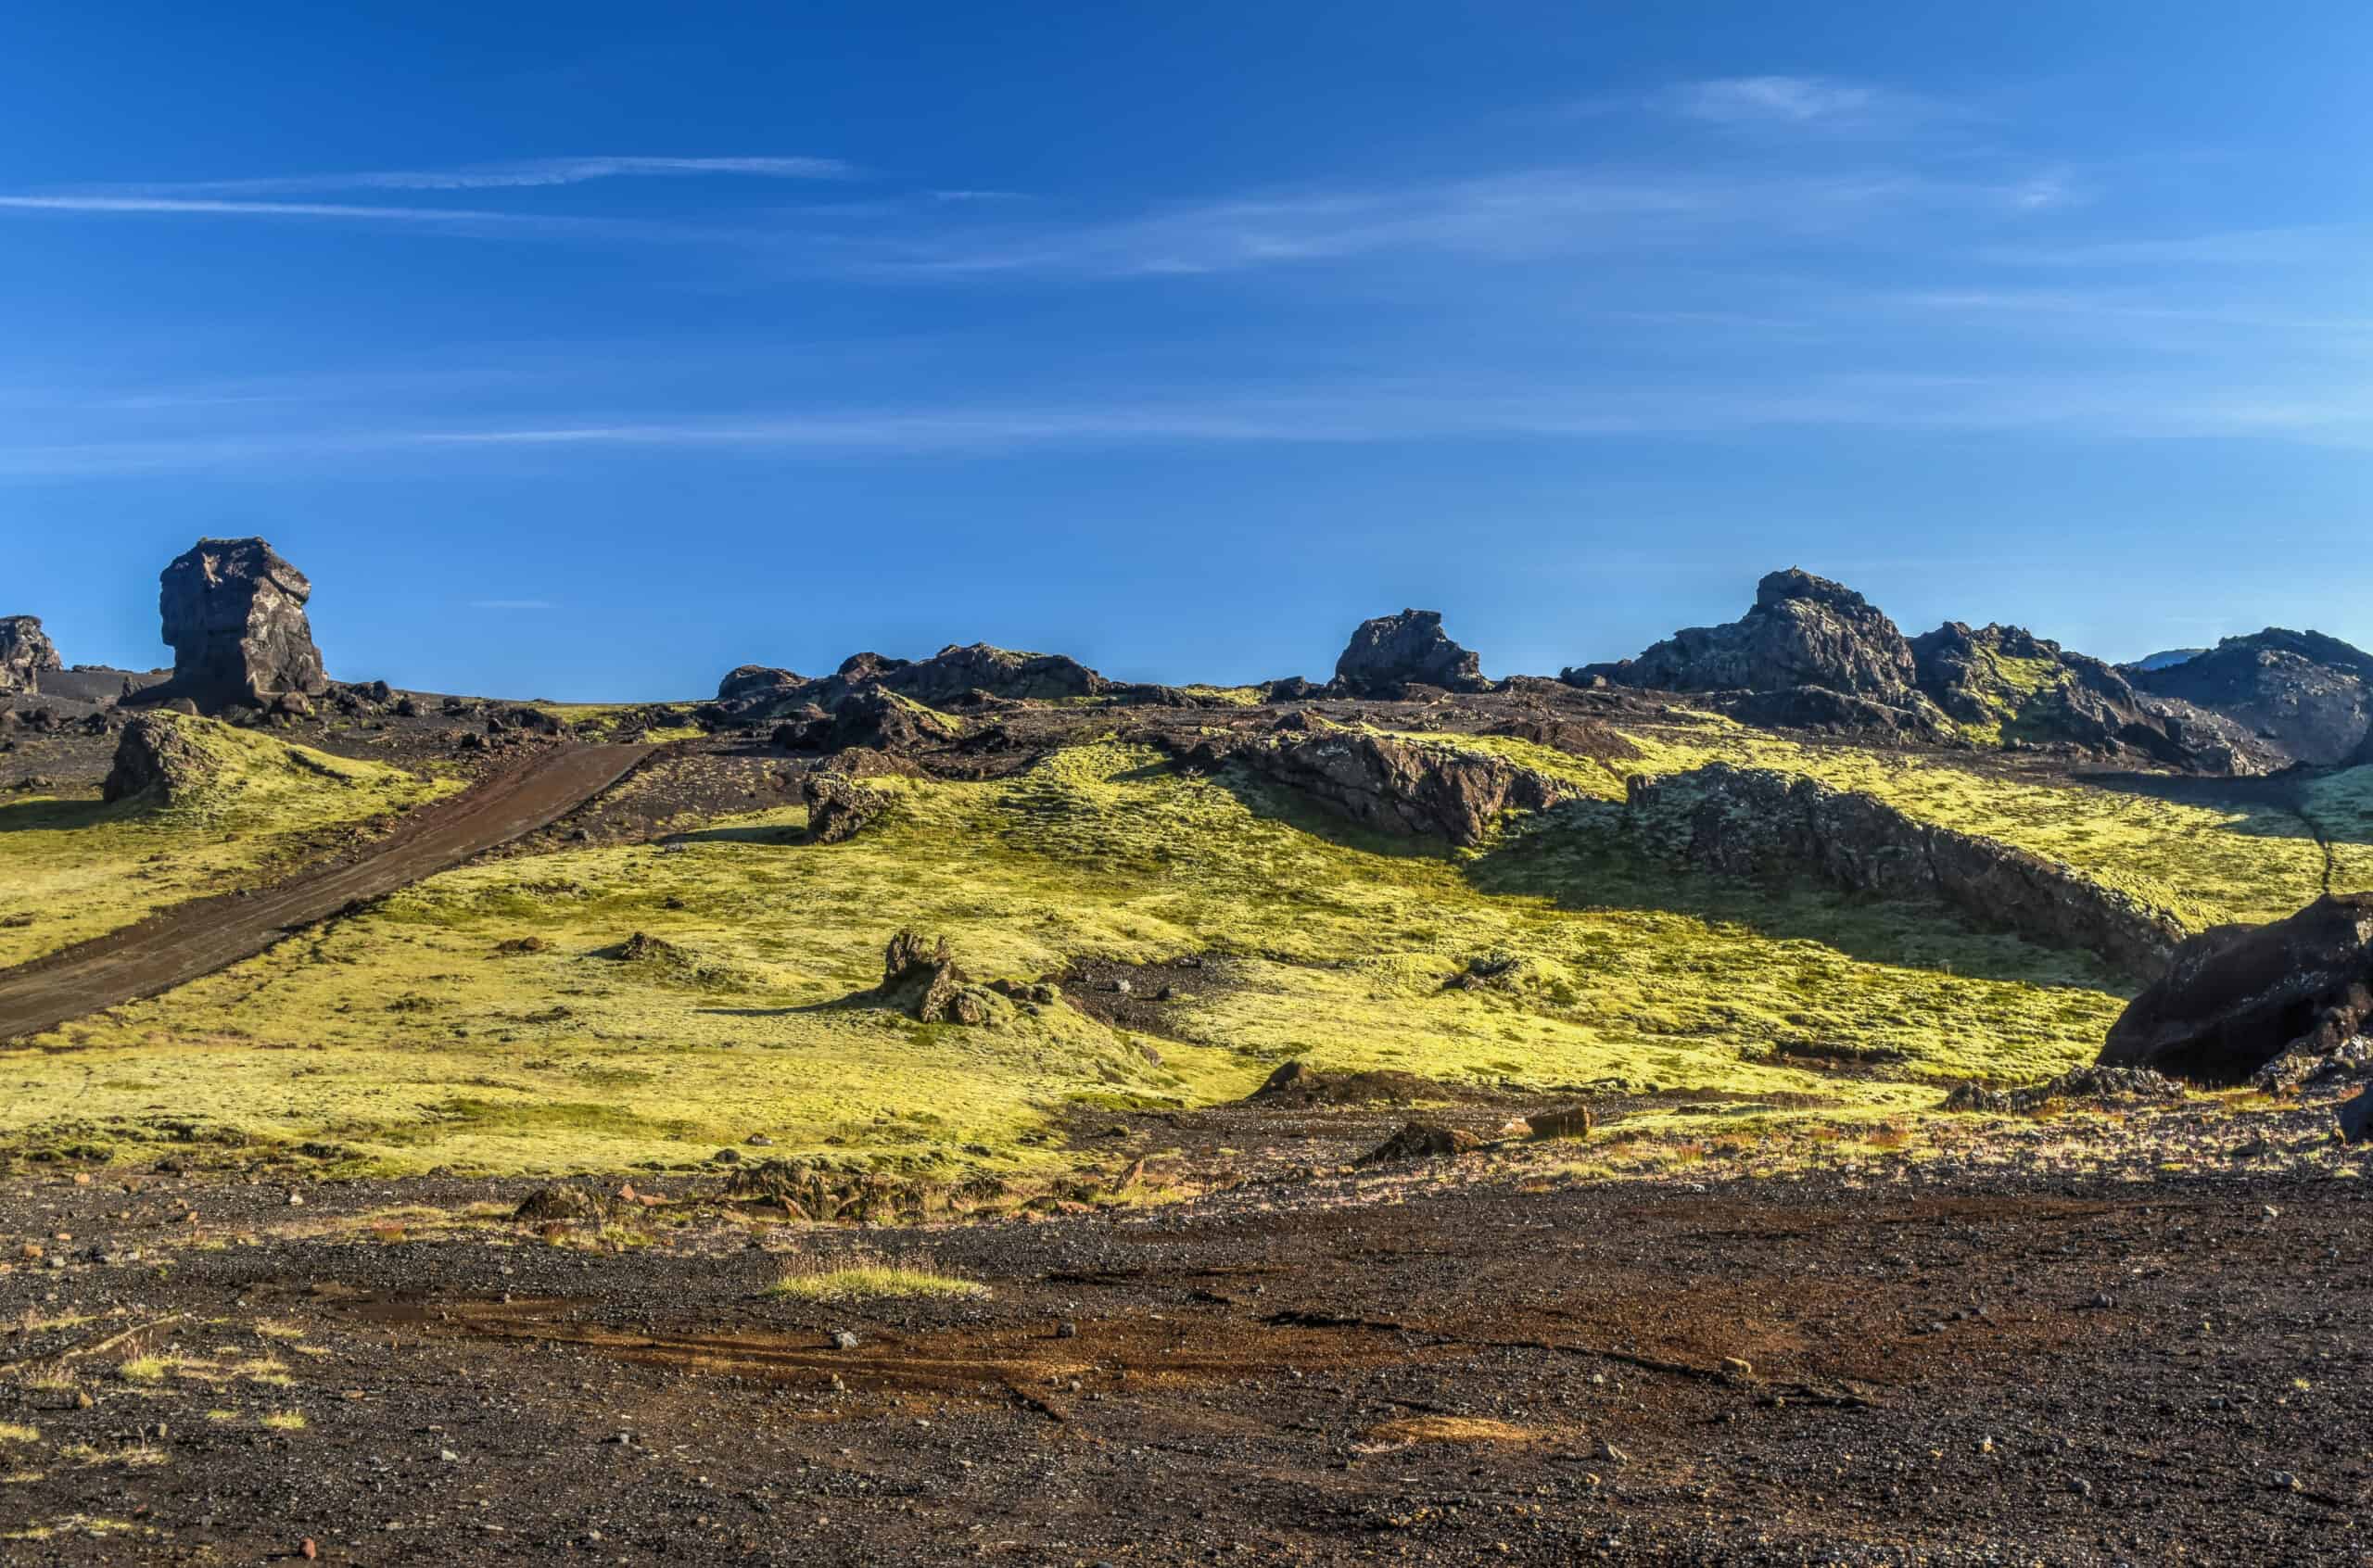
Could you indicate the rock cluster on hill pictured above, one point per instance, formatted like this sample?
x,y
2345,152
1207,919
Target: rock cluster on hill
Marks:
x,y
756,694
1808,652
1759,822
1396,786
2309,697
1390,653
1802,630
2031,690
2277,1004
234,613
26,653
921,979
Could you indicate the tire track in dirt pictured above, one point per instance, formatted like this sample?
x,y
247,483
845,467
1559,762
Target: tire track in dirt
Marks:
x,y
192,940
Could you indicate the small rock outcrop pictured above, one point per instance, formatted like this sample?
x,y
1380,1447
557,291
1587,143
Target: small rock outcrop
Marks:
x,y
1396,786
1422,1140
883,721
1748,822
26,653
2006,682
235,614
2276,1004
1802,630
756,694
921,979
2307,696
157,758
1392,653
838,808
2102,1085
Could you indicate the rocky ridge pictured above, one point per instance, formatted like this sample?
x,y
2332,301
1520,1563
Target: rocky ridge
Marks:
x,y
1748,822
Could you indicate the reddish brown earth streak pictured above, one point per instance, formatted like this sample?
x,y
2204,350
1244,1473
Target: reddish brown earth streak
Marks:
x,y
196,939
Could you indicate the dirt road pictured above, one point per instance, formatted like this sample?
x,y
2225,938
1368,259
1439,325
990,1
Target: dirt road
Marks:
x,y
191,940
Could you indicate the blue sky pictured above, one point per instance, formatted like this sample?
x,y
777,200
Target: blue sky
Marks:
x,y
587,350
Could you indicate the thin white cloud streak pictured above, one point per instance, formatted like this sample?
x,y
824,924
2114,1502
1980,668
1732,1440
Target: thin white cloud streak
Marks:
x,y
1908,404
512,604
2247,247
522,174
1519,216
255,209
1786,100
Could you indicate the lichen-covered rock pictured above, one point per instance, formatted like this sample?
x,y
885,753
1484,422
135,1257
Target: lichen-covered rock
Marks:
x,y
1575,736
2006,682
1422,1140
1392,653
25,653
2274,1003
921,979
234,613
156,758
756,694
1802,630
1748,822
2103,1085
2308,696
1397,786
882,721
838,808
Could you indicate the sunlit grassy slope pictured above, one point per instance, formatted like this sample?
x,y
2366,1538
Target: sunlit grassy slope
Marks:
x,y
2255,859
402,1038
74,869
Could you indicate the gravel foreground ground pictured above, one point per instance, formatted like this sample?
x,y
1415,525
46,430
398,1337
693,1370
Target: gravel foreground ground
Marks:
x,y
1964,1366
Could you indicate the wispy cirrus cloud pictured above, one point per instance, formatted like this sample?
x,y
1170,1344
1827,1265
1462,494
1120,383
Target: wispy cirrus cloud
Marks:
x,y
519,174
514,605
468,220
2305,411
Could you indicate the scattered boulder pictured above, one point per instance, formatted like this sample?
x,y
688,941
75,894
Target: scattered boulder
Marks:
x,y
234,613
1748,822
563,1203
755,692
1573,1122
1292,689
1392,653
1422,1140
2106,1085
1802,630
2356,1116
157,758
1396,786
838,808
921,979
26,653
2276,1004
2307,696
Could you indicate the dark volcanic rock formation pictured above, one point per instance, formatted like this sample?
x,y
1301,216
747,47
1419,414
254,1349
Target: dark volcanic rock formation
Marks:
x,y
756,694
235,614
922,980
155,755
1803,630
1398,786
1754,821
838,808
2032,690
25,653
1393,652
2277,1004
2308,696
883,720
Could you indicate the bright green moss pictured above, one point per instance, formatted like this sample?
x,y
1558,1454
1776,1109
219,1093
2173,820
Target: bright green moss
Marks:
x,y
399,1039
77,869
